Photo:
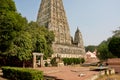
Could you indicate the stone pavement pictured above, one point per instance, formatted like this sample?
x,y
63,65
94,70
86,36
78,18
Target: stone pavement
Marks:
x,y
69,72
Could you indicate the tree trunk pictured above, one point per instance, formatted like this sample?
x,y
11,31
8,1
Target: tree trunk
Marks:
x,y
23,64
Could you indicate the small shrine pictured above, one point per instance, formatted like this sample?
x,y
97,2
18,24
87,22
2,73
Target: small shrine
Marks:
x,y
40,62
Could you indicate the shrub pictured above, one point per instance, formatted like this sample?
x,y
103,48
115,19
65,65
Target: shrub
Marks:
x,y
14,73
46,64
70,61
82,60
53,61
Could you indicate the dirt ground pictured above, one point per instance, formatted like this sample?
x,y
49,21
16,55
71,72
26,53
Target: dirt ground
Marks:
x,y
72,73
112,77
66,72
69,72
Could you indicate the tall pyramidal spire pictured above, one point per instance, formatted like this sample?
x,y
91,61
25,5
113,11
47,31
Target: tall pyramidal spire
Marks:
x,y
78,38
52,15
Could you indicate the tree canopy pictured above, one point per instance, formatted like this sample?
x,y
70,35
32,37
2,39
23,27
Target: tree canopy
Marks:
x,y
42,39
90,48
18,38
13,38
7,5
11,23
111,47
103,51
114,46
116,33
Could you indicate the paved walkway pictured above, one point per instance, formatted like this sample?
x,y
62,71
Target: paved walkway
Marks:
x,y
68,72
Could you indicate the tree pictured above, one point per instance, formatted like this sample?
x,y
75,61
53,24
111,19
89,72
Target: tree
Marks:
x,y
90,48
41,38
14,41
110,48
7,5
18,38
116,33
22,47
114,46
11,23
40,44
103,51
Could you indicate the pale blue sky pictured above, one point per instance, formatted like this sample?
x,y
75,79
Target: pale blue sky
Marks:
x,y
96,19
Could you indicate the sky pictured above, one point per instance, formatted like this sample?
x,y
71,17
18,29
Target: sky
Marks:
x,y
96,19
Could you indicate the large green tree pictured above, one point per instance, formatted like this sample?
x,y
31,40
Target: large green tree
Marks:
x,y
7,5
103,51
114,46
42,39
18,38
11,23
111,47
22,47
14,41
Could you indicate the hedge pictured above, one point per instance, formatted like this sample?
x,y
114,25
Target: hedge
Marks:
x,y
14,73
70,61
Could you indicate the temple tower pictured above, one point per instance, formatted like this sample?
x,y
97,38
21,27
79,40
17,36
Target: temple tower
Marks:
x,y
52,15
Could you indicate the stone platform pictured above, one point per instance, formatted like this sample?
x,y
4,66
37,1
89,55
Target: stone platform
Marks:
x,y
69,51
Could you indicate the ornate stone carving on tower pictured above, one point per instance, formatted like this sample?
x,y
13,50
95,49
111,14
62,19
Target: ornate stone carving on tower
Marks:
x,y
52,15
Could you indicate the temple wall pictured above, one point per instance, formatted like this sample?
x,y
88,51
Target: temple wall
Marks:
x,y
67,51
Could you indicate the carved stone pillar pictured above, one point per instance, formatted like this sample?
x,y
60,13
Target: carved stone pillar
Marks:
x,y
41,61
34,61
